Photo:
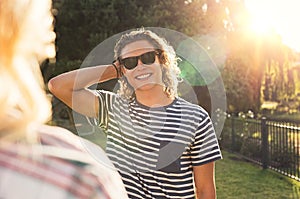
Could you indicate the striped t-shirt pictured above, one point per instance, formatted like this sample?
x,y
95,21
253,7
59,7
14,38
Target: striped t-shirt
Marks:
x,y
154,149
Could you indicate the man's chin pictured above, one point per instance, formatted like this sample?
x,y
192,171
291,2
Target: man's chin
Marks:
x,y
149,87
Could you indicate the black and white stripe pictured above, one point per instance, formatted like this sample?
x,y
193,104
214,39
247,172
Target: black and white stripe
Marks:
x,y
155,149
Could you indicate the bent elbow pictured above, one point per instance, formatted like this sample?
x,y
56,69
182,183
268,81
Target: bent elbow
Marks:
x,y
53,85
61,89
58,87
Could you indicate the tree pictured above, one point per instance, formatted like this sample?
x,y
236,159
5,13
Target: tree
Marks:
x,y
83,24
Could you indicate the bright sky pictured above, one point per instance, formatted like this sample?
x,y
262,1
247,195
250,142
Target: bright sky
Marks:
x,y
281,15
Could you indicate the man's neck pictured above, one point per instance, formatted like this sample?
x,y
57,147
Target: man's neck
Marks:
x,y
154,98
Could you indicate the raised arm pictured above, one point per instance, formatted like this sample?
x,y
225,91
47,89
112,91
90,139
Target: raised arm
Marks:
x,y
72,87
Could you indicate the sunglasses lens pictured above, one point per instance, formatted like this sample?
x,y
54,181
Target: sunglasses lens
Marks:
x,y
148,58
130,63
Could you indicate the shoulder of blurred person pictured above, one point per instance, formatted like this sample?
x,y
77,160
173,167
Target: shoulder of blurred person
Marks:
x,y
36,160
59,165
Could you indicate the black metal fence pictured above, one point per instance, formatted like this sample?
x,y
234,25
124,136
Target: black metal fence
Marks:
x,y
271,144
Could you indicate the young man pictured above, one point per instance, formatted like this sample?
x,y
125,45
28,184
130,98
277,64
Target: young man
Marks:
x,y
161,144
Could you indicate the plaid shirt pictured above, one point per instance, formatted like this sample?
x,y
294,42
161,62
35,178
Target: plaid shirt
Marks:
x,y
60,166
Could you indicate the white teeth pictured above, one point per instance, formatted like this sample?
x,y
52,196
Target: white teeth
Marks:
x,y
143,76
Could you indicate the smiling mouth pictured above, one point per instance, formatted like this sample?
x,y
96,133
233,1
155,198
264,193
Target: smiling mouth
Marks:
x,y
143,76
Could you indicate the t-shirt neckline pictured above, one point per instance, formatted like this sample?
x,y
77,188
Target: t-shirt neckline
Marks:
x,y
157,107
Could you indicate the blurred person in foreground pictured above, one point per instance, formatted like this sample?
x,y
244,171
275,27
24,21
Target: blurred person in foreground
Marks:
x,y
37,160
162,145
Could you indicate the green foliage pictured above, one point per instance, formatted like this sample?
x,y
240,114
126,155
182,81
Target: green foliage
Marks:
x,y
278,84
238,84
52,70
83,24
80,25
251,147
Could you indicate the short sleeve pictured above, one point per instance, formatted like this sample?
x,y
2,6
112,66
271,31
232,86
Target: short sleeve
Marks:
x,y
105,105
205,147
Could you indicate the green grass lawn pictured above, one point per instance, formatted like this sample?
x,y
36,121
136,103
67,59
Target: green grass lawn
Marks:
x,y
238,179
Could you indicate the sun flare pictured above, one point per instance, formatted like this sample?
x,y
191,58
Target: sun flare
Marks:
x,y
279,16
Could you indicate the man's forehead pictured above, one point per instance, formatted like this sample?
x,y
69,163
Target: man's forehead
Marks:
x,y
136,51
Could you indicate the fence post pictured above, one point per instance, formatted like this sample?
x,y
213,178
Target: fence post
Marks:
x,y
265,143
232,134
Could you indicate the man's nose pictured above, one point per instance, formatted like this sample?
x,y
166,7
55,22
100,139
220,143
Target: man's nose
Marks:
x,y
140,63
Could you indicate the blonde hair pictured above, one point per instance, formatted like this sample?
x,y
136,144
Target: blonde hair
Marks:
x,y
167,58
23,100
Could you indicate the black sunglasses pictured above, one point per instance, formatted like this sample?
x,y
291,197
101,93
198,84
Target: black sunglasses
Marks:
x,y
146,58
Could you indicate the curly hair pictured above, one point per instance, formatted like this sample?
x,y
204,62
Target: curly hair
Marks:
x,y
167,59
